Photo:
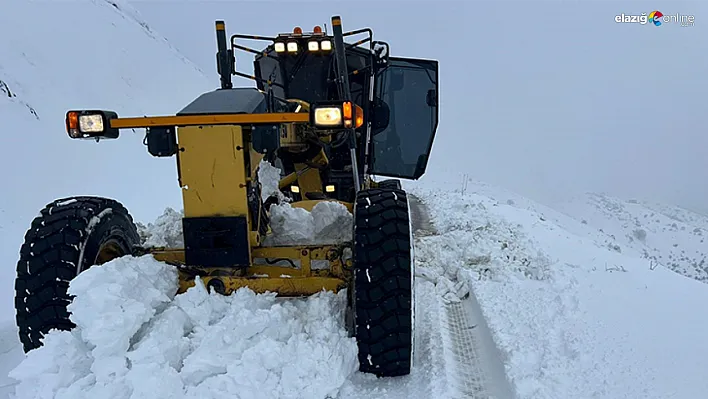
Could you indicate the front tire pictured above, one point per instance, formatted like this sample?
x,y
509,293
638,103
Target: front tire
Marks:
x,y
69,236
383,282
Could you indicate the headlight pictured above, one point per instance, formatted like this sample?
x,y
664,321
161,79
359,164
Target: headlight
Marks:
x,y
334,115
313,46
328,116
292,47
91,123
279,47
326,45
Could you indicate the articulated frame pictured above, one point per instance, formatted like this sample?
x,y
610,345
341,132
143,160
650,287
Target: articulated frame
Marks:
x,y
217,167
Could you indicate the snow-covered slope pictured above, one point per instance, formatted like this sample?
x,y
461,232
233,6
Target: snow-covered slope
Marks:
x,y
669,236
58,55
571,317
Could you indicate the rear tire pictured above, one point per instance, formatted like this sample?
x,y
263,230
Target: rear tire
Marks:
x,y
383,282
69,236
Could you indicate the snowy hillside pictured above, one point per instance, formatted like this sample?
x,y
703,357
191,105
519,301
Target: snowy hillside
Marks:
x,y
573,318
61,55
570,317
669,236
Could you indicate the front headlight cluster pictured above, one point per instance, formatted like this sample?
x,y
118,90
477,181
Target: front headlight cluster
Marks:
x,y
313,45
336,115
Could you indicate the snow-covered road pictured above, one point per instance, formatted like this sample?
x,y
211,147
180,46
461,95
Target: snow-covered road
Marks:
x,y
265,337
568,317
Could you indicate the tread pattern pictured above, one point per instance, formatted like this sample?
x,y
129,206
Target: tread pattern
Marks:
x,y
383,282
390,183
49,257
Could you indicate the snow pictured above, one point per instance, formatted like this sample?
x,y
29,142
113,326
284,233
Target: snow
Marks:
x,y
329,222
269,177
82,54
135,339
166,231
596,297
669,236
572,317
513,299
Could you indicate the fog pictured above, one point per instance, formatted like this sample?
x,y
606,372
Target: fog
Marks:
x,y
544,98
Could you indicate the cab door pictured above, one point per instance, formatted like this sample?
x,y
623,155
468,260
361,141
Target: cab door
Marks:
x,y
408,89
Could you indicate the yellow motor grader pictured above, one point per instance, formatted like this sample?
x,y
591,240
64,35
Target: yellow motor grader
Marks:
x,y
332,115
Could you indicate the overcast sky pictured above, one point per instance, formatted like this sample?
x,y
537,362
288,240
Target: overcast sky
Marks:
x,y
541,97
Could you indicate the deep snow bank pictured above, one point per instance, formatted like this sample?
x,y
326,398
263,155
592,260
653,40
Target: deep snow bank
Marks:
x,y
135,340
58,55
572,317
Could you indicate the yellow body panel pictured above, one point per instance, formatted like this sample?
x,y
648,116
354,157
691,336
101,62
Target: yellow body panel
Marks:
x,y
212,170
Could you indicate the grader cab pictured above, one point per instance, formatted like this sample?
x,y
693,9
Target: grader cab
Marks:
x,y
330,115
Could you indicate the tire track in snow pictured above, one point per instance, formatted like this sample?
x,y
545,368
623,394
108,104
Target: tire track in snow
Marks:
x,y
472,363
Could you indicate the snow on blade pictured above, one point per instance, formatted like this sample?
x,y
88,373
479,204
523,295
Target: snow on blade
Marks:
x,y
135,340
329,223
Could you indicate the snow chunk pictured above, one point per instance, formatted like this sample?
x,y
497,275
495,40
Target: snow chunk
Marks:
x,y
135,339
269,177
165,232
329,222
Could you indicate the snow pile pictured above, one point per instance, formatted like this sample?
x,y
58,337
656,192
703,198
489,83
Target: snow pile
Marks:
x,y
329,223
668,236
489,248
135,339
166,231
572,318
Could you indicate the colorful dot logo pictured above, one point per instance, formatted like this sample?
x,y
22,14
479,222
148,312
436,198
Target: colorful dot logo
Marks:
x,y
655,17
